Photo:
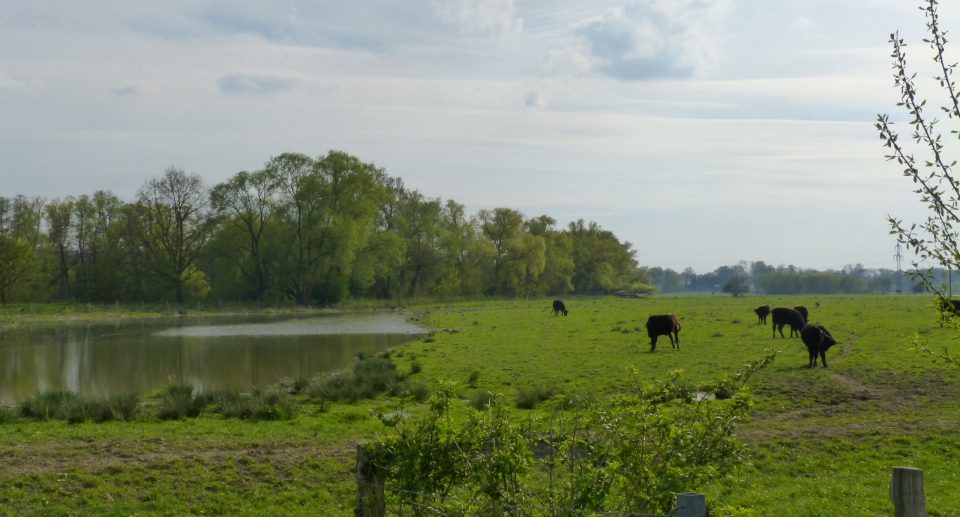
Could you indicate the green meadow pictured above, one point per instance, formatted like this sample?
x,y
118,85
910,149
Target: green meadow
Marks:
x,y
819,442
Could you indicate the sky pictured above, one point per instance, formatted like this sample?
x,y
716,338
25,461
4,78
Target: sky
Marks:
x,y
704,132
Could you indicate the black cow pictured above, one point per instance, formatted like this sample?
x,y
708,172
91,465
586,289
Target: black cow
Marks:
x,y
664,324
948,308
818,341
784,316
559,307
803,312
762,312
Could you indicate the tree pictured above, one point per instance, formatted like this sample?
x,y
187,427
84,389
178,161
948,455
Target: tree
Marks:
x,y
17,265
245,201
176,226
933,240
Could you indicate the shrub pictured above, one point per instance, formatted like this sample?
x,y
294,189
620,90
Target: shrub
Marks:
x,y
415,368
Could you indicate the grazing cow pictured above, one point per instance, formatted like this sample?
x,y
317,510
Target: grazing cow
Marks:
x,y
948,307
664,324
818,341
784,316
762,312
803,312
559,307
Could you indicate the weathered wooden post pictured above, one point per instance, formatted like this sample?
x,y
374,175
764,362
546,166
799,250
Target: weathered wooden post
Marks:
x,y
906,491
370,487
691,505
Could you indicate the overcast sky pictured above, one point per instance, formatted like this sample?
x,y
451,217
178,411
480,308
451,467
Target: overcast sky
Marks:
x,y
702,131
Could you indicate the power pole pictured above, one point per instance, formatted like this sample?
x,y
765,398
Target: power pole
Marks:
x,y
899,257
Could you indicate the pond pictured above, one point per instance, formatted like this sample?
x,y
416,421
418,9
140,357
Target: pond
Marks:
x,y
101,359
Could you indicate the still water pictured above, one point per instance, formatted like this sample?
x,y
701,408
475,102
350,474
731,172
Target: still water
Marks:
x,y
236,352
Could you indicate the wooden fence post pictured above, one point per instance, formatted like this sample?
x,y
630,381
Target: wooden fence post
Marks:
x,y
370,487
906,491
691,505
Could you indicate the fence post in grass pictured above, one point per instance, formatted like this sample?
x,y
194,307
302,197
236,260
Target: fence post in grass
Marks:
x,y
370,487
906,491
691,505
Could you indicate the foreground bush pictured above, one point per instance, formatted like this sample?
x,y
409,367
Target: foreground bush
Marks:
x,y
627,454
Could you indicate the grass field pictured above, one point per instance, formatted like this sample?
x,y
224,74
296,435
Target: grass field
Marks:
x,y
821,441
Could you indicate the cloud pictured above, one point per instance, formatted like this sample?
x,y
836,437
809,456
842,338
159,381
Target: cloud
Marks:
x,y
249,84
533,100
487,17
650,39
127,90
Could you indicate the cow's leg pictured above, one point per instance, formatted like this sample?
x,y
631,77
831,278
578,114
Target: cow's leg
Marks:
x,y
677,334
823,358
653,343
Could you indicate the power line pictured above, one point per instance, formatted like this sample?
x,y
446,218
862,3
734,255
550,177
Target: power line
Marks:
x,y
899,257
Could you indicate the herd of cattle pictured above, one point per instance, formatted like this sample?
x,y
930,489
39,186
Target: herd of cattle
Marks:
x,y
816,337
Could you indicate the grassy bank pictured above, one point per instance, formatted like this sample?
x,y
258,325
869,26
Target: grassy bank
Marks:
x,y
820,442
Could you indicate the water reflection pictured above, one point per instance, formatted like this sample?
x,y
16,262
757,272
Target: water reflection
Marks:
x,y
140,356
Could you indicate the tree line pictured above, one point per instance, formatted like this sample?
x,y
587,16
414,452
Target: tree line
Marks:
x,y
759,277
301,229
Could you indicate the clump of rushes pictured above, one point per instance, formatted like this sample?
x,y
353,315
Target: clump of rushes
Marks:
x,y
483,400
472,380
369,377
273,405
7,415
528,398
419,392
118,407
415,367
49,405
178,401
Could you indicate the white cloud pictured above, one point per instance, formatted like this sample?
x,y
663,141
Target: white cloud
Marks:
x,y
650,39
486,17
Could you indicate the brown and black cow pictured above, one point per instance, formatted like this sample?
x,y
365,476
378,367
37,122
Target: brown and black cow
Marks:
x,y
663,324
